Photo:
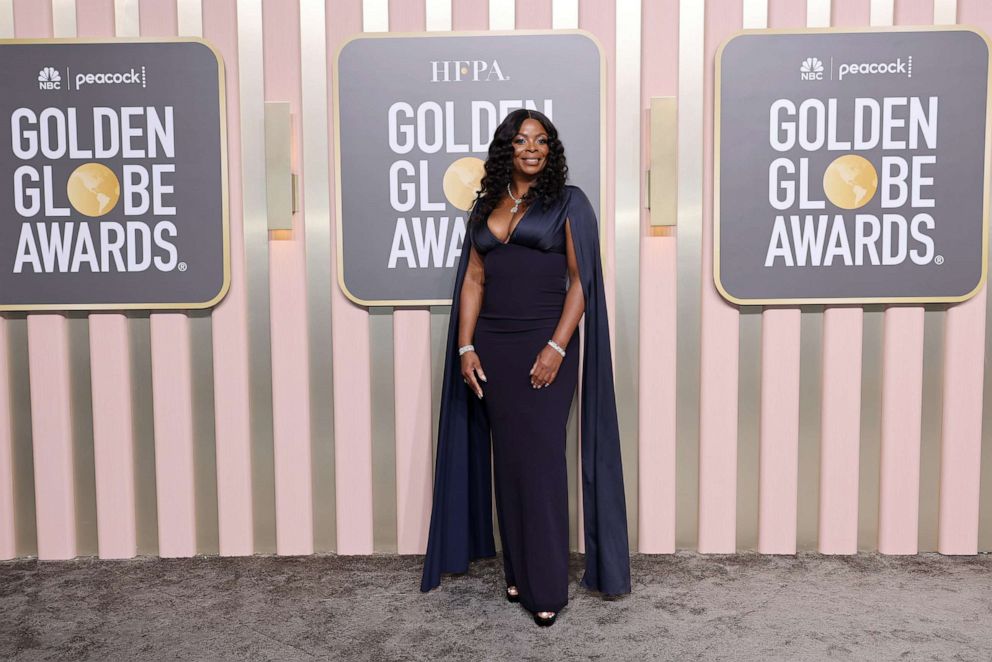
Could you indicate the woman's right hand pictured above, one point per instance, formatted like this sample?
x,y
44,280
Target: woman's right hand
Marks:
x,y
470,367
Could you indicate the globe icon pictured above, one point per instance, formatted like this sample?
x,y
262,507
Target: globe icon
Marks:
x,y
462,179
850,181
93,189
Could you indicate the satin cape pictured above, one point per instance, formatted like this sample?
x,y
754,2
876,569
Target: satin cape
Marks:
x,y
461,527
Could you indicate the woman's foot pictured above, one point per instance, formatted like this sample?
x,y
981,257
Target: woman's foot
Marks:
x,y
544,618
512,594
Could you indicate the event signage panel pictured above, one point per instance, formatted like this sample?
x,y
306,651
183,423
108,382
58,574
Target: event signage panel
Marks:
x,y
852,166
113,156
414,116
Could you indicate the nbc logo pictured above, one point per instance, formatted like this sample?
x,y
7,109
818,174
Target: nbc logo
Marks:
x,y
49,79
811,69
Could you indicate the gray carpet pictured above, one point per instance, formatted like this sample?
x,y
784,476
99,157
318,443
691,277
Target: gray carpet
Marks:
x,y
684,606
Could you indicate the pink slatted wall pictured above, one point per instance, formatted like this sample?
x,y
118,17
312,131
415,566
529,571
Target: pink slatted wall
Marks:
x,y
834,428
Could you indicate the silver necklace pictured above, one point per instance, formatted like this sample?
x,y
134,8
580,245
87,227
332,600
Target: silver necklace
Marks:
x,y
513,210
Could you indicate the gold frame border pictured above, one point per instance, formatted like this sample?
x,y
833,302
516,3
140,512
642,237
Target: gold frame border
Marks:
x,y
443,35
225,193
960,27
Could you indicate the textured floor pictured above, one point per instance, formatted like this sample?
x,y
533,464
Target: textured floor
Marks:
x,y
684,606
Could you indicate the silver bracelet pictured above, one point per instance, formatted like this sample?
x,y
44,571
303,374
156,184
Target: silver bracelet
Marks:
x,y
557,347
465,348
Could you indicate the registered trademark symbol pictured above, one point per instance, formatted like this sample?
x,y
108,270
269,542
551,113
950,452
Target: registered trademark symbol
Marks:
x,y
939,259
182,266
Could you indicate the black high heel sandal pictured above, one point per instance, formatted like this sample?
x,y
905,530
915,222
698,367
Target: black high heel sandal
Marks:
x,y
545,622
511,597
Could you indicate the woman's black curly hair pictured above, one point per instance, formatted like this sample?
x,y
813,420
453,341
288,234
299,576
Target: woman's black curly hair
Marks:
x,y
550,183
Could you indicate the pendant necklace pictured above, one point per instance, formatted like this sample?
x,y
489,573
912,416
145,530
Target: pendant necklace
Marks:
x,y
513,210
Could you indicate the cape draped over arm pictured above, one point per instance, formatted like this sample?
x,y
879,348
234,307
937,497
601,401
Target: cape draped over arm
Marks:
x,y
461,526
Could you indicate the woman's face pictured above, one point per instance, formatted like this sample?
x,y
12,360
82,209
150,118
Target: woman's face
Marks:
x,y
530,148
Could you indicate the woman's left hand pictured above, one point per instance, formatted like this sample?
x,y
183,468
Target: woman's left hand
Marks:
x,y
545,367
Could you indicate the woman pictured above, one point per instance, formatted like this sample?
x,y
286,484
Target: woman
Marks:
x,y
511,369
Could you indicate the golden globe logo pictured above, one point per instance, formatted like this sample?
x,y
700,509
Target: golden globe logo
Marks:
x,y
140,234
93,189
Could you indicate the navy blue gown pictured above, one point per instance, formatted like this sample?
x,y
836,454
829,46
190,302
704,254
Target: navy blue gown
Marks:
x,y
523,429
524,295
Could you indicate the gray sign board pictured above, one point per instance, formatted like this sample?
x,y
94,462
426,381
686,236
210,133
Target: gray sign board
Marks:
x,y
852,166
413,118
113,157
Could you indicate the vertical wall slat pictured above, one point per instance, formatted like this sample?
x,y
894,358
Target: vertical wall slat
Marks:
x,y
172,379
352,361
840,408
718,341
656,463
470,14
251,73
840,430
51,433
375,18
818,16
320,279
778,431
64,25
232,428
189,23
412,383
627,179
437,16
288,305
750,359
110,364
809,14
979,13
921,12
902,389
565,16
691,94
173,416
961,420
532,14
48,357
502,14
126,24
600,19
8,541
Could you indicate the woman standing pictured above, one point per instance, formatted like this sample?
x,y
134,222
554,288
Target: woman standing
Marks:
x,y
530,267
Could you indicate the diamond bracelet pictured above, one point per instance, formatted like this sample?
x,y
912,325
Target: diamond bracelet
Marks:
x,y
465,348
557,347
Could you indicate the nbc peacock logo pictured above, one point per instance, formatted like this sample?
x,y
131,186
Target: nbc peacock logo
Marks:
x,y
49,79
811,69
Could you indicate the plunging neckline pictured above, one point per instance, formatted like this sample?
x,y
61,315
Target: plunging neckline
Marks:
x,y
513,231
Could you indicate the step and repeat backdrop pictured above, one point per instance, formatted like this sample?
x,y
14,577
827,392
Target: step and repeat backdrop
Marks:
x,y
117,162
230,230
410,149
859,167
